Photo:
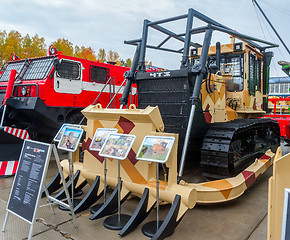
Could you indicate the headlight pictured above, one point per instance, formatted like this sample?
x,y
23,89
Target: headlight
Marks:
x,y
24,91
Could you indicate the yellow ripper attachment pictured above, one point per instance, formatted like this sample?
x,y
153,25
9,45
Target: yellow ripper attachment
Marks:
x,y
138,177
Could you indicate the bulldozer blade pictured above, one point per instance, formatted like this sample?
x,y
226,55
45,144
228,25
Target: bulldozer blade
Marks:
x,y
91,197
61,195
139,214
54,184
170,223
110,206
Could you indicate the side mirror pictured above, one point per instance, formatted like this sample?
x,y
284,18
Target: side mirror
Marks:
x,y
56,64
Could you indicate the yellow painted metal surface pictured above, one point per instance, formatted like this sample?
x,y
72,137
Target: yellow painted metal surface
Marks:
x,y
218,103
277,183
228,189
138,175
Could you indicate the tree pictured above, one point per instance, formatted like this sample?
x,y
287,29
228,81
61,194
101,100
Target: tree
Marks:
x,y
26,47
85,53
101,55
13,43
65,46
88,53
34,47
113,57
77,51
38,46
2,45
128,62
123,63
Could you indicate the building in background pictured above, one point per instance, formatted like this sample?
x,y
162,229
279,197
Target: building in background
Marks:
x,y
279,86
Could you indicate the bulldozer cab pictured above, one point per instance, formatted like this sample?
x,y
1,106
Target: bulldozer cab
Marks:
x,y
238,87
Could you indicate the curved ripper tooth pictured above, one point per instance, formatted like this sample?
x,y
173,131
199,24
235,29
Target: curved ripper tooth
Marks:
x,y
91,197
170,222
54,184
140,213
111,205
81,186
61,195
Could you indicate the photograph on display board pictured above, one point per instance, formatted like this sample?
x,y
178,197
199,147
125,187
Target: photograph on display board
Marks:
x,y
100,137
70,139
61,130
155,149
117,146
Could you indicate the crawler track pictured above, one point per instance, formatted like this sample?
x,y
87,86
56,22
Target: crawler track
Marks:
x,y
230,147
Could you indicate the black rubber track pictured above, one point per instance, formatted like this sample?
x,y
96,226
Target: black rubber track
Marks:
x,y
230,147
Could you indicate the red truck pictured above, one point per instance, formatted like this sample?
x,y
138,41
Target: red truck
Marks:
x,y
282,118
49,91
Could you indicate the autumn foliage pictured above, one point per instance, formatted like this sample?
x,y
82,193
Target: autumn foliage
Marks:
x,y
23,47
28,47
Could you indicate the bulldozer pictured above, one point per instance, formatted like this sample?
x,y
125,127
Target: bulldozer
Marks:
x,y
214,100
211,105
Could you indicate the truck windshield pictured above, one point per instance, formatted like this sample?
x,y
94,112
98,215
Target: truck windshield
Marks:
x,y
18,66
29,69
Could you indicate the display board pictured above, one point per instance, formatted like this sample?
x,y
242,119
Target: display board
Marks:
x,y
285,230
28,180
117,146
155,149
70,139
100,138
61,130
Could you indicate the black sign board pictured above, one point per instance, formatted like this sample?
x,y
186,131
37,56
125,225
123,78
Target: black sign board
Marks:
x,y
27,185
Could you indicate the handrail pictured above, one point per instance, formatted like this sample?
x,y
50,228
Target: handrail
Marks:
x,y
116,93
275,100
106,84
110,92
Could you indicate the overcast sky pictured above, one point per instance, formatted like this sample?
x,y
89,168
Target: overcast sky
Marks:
x,y
107,23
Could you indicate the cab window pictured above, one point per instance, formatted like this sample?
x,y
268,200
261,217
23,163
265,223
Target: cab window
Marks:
x,y
69,70
251,80
99,74
236,63
258,73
